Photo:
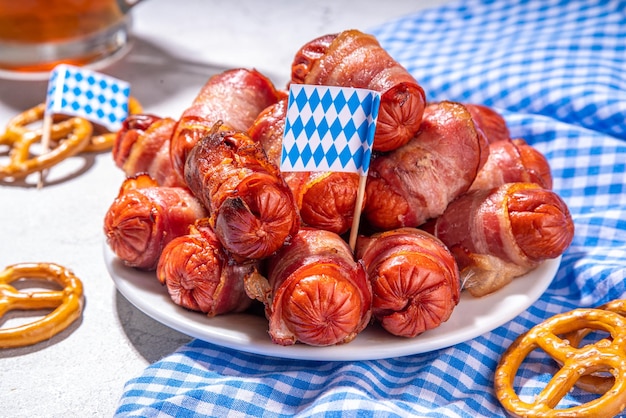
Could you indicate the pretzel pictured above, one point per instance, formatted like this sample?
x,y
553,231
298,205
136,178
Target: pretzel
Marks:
x,y
67,303
17,127
19,139
605,356
67,138
596,383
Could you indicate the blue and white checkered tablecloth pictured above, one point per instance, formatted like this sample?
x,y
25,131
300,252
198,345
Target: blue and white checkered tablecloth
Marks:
x,y
557,71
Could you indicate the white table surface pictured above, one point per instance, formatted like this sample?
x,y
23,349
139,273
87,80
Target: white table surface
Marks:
x,y
177,47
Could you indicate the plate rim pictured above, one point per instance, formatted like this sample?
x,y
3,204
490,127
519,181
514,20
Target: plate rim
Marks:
x,y
373,343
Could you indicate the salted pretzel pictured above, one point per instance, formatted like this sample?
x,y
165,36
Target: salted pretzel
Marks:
x,y
68,137
67,303
606,356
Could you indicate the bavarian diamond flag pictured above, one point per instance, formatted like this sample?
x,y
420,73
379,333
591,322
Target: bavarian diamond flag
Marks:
x,y
329,128
97,97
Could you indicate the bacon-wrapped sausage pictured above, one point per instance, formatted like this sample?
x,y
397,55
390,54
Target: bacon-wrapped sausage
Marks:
x,y
144,217
490,122
512,162
143,146
252,210
200,276
415,280
234,98
499,234
268,129
326,200
315,293
416,182
355,59
132,127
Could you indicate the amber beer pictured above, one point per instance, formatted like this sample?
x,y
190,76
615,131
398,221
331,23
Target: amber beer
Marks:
x,y
35,35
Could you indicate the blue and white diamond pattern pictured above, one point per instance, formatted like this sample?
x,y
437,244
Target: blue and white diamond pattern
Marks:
x,y
329,128
97,97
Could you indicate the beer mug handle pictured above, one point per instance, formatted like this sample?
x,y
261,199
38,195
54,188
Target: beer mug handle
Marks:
x,y
126,5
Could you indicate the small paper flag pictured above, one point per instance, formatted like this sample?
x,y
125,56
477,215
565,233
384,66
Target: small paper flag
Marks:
x,y
99,98
329,128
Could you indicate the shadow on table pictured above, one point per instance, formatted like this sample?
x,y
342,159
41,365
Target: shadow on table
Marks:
x,y
150,338
73,167
34,315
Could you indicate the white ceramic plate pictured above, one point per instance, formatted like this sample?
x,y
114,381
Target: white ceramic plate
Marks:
x,y
471,318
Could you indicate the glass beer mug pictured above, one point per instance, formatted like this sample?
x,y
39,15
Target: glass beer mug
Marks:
x,y
36,35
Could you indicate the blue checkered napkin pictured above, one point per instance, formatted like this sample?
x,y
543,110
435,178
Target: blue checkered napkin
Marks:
x,y
329,128
559,58
588,160
96,97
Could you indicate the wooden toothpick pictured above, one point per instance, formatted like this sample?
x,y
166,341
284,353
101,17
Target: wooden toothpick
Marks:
x,y
354,231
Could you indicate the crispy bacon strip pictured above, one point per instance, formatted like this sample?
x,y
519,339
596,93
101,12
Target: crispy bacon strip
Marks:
x,y
200,276
268,129
499,234
416,182
251,208
513,161
132,127
415,280
490,122
315,293
326,199
233,98
355,59
144,217
143,146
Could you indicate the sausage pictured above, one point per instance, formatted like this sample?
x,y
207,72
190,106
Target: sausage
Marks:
x,y
501,233
355,59
132,127
325,199
234,98
251,209
415,280
314,291
200,276
145,140
511,162
490,122
417,181
144,217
